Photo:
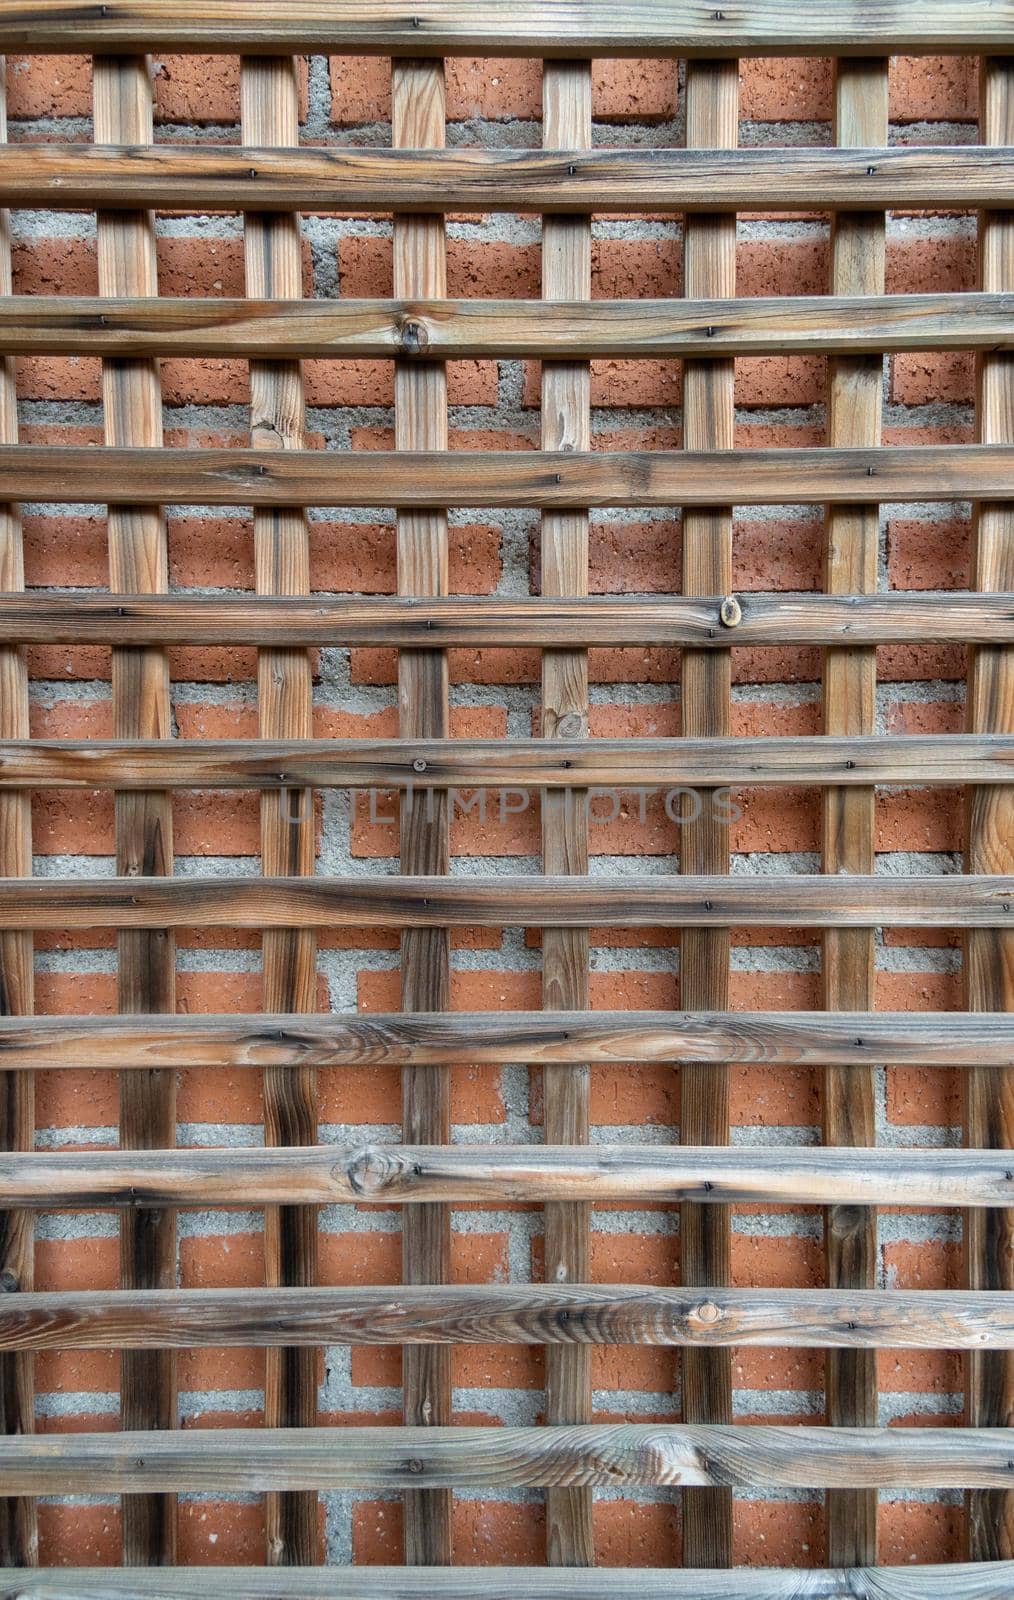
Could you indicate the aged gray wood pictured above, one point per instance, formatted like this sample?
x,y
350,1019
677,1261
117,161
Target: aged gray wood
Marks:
x,y
982,1581
615,1454
551,1314
392,1174
427,329
989,1581
506,763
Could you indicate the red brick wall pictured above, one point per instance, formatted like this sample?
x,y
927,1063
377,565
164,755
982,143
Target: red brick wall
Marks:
x,y
929,399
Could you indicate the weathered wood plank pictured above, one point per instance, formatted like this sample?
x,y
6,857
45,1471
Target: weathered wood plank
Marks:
x,y
509,27
775,1038
709,268
993,1581
146,965
637,900
951,1582
420,267
19,1531
392,1174
989,958
343,178
566,425
901,616
851,560
269,91
504,478
426,329
615,1454
574,1314
507,763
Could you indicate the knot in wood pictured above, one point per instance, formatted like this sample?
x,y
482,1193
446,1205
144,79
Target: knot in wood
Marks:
x,y
706,1312
413,337
730,612
370,1170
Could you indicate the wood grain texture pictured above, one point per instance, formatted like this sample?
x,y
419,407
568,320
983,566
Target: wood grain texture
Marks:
x,y
566,425
510,27
773,1038
421,179
709,269
567,1315
968,1582
420,268
19,1530
426,329
704,621
146,965
989,957
269,88
482,478
420,763
851,563
616,1454
627,900
391,1174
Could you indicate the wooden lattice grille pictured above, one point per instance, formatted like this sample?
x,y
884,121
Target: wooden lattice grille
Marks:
x,y
124,177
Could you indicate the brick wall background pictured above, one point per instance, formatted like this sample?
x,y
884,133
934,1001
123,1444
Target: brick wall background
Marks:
x,y
495,693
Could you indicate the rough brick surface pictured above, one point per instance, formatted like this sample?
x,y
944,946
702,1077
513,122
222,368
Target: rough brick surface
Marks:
x,y
495,693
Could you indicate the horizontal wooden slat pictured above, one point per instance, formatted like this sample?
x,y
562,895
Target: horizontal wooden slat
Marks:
x,y
540,329
393,1174
574,1313
613,1454
992,1580
509,27
777,1038
396,901
916,617
342,178
404,763
482,478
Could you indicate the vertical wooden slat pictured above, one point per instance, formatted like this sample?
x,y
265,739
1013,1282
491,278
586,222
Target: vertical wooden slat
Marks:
x,y
19,1533
270,116
712,94
989,953
420,269
850,686
566,402
132,406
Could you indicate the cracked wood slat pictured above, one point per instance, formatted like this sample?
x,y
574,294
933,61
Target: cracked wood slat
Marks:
x,y
420,268
989,957
709,268
146,967
566,425
270,115
19,1529
849,815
